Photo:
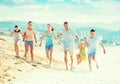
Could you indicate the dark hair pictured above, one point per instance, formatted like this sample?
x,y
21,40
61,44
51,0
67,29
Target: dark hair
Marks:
x,y
92,30
16,26
52,29
29,22
65,22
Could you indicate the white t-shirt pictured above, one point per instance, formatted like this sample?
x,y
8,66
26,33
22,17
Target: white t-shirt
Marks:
x,y
93,44
68,36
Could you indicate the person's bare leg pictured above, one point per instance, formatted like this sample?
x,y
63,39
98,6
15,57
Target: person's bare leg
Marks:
x,y
47,53
31,51
51,50
94,58
71,68
26,50
65,59
90,67
78,58
17,50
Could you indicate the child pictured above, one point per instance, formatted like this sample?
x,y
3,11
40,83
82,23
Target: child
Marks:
x,y
49,34
16,36
92,42
82,53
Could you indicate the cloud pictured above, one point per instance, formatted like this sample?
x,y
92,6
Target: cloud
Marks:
x,y
56,0
13,3
104,4
60,12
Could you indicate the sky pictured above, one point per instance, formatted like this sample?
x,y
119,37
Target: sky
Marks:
x,y
57,11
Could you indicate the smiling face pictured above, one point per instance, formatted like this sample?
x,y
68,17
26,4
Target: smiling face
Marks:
x,y
16,28
49,28
66,26
30,24
92,34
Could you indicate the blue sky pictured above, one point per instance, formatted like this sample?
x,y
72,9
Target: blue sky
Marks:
x,y
77,11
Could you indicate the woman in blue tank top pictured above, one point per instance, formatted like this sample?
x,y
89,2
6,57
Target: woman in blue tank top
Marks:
x,y
49,42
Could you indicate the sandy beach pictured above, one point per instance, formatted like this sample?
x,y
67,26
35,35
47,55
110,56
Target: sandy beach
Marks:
x,y
19,71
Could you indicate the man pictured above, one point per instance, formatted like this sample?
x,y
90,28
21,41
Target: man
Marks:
x,y
29,37
92,44
68,43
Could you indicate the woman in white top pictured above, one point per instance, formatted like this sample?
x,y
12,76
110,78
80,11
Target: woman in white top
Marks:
x,y
16,36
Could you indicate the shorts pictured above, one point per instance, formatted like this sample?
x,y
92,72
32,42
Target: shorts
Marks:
x,y
69,48
90,55
29,42
16,41
48,47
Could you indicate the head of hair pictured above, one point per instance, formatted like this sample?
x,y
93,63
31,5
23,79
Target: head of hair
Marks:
x,y
92,30
16,26
52,29
29,22
65,22
48,24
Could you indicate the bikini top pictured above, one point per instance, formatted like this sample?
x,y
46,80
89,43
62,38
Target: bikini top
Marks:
x,y
17,31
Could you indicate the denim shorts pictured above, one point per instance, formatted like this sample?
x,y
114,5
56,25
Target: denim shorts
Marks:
x,y
29,42
48,47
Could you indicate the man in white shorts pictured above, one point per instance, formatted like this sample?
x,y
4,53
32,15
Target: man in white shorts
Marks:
x,y
68,42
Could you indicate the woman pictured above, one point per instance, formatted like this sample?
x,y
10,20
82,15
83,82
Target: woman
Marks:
x,y
16,36
49,34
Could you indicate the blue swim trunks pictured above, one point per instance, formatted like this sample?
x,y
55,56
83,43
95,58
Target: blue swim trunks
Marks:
x,y
29,42
48,47
91,53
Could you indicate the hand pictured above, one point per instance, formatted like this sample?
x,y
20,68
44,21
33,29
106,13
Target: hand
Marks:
x,y
85,38
40,44
35,41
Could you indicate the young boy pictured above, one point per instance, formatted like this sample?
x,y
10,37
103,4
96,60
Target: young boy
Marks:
x,y
92,42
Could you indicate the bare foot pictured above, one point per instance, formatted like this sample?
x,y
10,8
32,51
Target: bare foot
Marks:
x,y
97,66
71,68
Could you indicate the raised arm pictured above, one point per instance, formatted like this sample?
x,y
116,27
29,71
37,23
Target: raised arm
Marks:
x,y
77,37
86,42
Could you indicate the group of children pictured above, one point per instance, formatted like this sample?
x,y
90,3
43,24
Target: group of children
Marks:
x,y
68,41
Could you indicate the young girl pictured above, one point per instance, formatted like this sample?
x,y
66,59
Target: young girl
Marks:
x,y
16,36
49,42
82,53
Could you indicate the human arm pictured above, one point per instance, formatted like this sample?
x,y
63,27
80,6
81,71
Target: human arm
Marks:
x,y
104,51
77,37
12,33
59,35
21,34
35,37
86,42
43,35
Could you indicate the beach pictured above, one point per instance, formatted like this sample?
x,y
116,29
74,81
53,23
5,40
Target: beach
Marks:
x,y
20,71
